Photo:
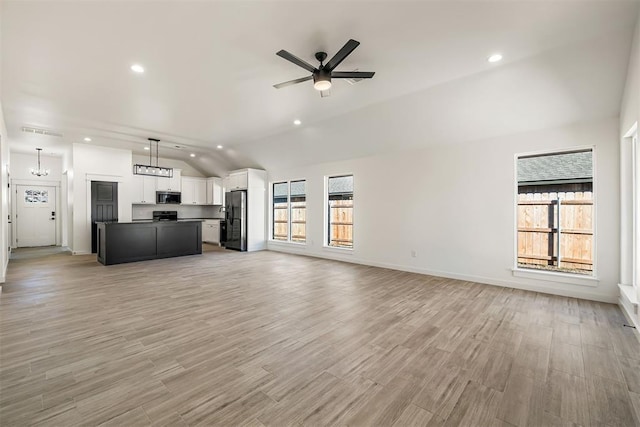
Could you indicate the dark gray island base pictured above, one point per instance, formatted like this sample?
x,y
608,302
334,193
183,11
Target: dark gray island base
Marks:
x,y
120,242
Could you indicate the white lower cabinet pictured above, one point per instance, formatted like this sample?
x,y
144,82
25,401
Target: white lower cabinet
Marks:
x,y
211,231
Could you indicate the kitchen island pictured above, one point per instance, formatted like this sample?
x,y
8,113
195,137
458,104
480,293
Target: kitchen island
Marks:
x,y
120,242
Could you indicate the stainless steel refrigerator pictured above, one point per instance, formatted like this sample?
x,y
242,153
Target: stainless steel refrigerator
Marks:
x,y
236,217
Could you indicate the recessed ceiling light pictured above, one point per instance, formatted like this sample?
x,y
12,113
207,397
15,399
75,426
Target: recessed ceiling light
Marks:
x,y
495,57
192,155
297,122
219,147
87,139
146,148
137,68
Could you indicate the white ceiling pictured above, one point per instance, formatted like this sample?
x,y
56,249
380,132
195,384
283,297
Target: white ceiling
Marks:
x,y
210,67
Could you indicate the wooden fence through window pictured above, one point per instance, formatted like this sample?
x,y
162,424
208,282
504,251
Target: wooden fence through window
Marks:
x,y
298,221
542,217
341,223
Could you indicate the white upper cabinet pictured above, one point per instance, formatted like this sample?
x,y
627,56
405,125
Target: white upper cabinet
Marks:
x,y
201,192
144,190
214,191
188,191
237,181
171,184
194,191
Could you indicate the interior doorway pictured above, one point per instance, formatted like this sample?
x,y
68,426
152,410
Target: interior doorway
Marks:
x,y
35,216
104,207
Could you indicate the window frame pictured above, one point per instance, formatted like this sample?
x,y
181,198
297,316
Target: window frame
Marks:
x,y
273,213
326,228
557,276
290,211
289,223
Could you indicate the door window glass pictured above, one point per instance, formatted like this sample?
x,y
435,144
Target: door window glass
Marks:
x,y
36,196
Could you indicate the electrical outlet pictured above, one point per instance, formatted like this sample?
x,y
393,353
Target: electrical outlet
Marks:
x,y
414,254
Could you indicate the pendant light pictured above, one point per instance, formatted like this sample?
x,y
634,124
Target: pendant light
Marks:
x,y
150,169
39,171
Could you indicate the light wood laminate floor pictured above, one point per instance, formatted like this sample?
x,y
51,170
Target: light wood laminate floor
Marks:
x,y
264,338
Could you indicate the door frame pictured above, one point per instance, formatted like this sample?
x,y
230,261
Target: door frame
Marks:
x,y
14,207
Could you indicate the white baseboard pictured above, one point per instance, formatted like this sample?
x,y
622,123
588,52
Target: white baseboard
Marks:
x,y
577,293
630,316
3,276
628,303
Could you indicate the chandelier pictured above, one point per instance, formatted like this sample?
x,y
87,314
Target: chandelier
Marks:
x,y
150,169
39,171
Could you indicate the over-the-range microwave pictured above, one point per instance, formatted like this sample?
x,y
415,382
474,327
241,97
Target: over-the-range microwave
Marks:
x,y
168,197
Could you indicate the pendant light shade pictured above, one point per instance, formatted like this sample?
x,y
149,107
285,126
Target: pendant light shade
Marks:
x,y
150,169
39,171
321,80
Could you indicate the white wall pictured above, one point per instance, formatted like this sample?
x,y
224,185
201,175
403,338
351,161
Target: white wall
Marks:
x,y
93,163
4,181
4,198
629,115
67,197
22,163
454,205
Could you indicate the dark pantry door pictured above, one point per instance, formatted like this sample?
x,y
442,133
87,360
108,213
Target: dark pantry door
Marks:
x,y
104,207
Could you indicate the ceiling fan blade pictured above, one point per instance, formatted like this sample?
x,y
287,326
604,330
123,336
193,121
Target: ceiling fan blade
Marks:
x,y
292,82
352,74
299,62
325,93
342,53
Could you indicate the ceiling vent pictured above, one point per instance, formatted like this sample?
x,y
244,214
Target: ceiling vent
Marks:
x,y
40,131
355,80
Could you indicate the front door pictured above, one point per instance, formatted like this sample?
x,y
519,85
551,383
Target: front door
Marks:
x,y
35,216
104,207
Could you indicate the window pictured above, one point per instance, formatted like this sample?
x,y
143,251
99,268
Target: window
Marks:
x,y
289,211
281,211
36,197
340,211
555,212
298,211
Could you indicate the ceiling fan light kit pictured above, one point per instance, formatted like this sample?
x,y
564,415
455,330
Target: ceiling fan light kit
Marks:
x,y
151,170
323,74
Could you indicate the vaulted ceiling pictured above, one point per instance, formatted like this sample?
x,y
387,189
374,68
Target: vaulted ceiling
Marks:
x,y
210,67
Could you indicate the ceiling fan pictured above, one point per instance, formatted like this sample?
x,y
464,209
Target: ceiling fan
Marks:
x,y
323,74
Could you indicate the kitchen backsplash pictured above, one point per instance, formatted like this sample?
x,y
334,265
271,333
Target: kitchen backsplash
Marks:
x,y
184,211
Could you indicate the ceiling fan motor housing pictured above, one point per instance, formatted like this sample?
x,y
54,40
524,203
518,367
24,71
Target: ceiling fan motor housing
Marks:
x,y
321,56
